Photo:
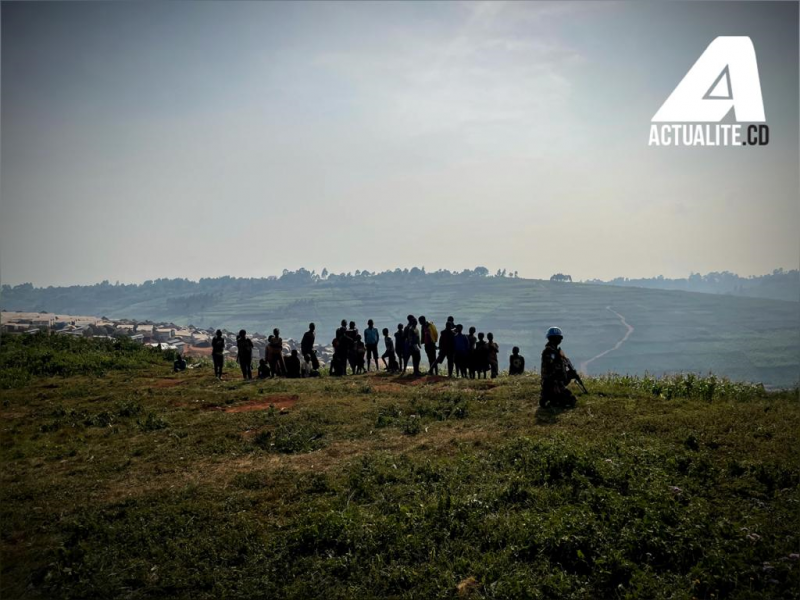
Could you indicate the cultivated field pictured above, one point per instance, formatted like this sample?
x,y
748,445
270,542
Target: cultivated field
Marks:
x,y
746,339
123,480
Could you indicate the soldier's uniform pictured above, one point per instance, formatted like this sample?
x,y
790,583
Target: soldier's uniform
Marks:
x,y
555,377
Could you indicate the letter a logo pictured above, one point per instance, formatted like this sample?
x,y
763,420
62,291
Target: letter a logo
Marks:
x,y
724,77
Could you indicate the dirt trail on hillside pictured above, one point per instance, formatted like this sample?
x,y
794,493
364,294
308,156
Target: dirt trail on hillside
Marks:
x,y
583,365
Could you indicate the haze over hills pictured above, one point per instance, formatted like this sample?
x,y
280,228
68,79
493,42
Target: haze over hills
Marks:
x,y
607,328
778,285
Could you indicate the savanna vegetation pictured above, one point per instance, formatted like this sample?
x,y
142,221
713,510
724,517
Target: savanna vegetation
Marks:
x,y
121,479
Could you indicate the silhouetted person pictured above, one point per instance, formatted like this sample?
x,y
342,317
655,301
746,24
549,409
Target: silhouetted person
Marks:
x,y
429,336
447,348
337,360
492,350
412,338
359,353
179,364
481,357
342,329
218,353
307,367
263,369
555,373
275,353
307,346
244,346
340,350
401,348
516,363
473,341
371,339
391,366
292,363
351,335
461,349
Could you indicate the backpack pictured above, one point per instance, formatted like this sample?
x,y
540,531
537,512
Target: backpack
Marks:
x,y
434,333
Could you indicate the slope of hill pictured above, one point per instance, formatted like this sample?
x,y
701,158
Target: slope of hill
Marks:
x,y
778,285
121,479
741,338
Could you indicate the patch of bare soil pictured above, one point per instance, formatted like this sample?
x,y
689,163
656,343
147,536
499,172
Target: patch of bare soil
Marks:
x,y
420,380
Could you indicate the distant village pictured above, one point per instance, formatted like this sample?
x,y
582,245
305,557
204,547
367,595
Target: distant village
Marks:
x,y
188,341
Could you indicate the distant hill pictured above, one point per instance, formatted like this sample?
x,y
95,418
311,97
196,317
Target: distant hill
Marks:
x,y
778,285
742,338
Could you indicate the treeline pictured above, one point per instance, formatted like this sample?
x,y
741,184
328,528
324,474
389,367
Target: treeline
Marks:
x,y
210,285
778,285
186,297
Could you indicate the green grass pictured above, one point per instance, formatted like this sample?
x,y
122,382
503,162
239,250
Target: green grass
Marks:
x,y
746,339
138,483
23,357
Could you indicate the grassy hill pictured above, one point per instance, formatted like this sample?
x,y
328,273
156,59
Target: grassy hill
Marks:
x,y
122,480
742,338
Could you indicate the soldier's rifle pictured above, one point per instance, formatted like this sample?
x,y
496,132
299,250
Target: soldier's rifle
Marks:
x,y
573,373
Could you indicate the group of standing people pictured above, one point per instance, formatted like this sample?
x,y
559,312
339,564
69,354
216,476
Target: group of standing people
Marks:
x,y
274,362
471,354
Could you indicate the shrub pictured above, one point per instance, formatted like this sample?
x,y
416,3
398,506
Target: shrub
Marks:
x,y
44,355
290,438
152,422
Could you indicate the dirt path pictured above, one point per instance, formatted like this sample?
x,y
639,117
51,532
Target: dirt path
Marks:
x,y
628,333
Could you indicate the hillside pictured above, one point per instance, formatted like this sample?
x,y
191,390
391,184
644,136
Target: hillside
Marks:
x,y
121,479
778,285
746,339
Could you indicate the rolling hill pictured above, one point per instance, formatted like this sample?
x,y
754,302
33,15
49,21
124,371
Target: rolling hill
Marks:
x,y
667,331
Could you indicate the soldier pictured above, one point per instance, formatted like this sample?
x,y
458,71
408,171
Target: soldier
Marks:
x,y
556,373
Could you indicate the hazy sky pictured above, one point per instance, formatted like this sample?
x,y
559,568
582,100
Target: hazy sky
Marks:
x,y
146,140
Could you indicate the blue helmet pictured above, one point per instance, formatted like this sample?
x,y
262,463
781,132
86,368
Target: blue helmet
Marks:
x,y
554,332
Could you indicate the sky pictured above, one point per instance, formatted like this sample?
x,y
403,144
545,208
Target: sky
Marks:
x,y
147,140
